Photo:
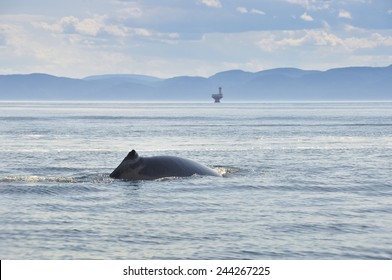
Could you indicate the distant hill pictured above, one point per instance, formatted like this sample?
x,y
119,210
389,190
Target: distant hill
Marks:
x,y
351,83
119,78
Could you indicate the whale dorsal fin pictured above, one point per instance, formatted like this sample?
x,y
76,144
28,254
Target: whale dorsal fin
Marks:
x,y
132,155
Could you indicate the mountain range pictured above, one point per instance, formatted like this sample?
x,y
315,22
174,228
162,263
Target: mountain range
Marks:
x,y
350,83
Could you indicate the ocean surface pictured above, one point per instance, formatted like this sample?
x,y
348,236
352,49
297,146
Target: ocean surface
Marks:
x,y
300,181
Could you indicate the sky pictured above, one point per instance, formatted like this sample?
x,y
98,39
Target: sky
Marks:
x,y
79,38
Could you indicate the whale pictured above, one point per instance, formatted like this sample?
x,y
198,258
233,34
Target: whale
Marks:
x,y
134,167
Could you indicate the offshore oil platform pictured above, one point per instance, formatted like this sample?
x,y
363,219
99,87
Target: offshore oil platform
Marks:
x,y
218,96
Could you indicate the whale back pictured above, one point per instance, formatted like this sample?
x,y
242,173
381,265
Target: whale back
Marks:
x,y
170,166
134,167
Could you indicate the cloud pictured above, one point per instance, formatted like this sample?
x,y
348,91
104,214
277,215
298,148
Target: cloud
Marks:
x,y
133,12
98,25
313,5
31,53
71,24
281,40
344,14
306,17
256,11
373,41
30,49
212,3
320,39
100,30
299,2
90,26
244,10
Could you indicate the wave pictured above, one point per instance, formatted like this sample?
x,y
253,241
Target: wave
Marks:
x,y
95,179
225,171
45,179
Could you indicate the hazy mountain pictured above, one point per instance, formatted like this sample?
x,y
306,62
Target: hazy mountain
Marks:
x,y
351,83
231,78
42,86
120,78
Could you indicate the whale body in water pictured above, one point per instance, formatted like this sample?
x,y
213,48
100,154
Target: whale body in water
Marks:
x,y
134,167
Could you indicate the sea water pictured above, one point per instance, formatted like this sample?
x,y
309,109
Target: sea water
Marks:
x,y
300,181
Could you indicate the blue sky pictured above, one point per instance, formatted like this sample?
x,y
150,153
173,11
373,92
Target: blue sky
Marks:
x,y
77,38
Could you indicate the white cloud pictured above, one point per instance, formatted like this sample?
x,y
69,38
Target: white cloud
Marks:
x,y
134,12
311,4
299,2
90,26
306,17
351,28
372,41
285,39
71,24
244,10
100,31
117,31
278,41
212,3
390,11
23,45
142,32
345,14
256,11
